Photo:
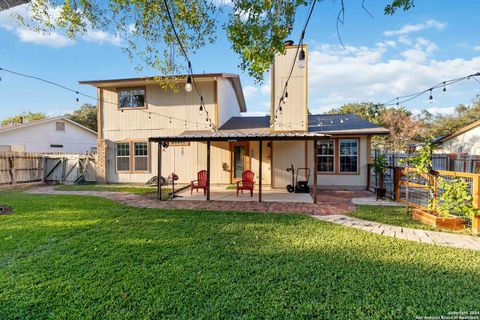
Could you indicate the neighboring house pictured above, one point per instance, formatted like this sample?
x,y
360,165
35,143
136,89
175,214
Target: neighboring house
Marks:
x,y
57,134
463,141
132,111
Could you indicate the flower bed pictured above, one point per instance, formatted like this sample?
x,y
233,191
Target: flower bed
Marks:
x,y
432,218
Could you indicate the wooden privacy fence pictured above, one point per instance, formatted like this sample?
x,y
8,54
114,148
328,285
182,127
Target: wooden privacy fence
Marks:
x,y
20,167
25,167
419,191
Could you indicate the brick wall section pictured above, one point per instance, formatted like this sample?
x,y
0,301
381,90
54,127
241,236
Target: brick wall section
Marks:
x,y
101,162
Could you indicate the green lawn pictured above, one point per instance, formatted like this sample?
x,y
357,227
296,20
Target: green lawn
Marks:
x,y
397,216
70,257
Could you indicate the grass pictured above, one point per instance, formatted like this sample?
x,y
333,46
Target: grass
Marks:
x,y
396,216
65,257
136,189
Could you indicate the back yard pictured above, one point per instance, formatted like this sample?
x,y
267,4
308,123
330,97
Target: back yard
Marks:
x,y
86,257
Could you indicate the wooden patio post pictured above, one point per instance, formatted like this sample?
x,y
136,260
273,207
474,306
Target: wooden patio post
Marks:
x,y
315,165
208,170
159,171
260,147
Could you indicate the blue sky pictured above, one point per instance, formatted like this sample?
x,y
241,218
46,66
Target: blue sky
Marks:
x,y
383,58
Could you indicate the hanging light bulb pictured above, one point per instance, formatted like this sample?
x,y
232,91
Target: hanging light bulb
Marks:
x,y
285,97
206,120
444,89
185,123
170,119
76,99
200,110
430,99
188,85
280,109
149,115
301,59
341,120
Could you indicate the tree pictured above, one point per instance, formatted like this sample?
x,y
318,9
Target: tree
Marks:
x,y
255,28
365,110
23,117
404,129
445,124
86,116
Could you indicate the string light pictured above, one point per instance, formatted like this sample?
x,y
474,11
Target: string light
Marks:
x,y
188,85
301,59
403,99
79,93
285,97
300,45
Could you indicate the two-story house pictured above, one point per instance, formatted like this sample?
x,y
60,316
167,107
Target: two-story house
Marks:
x,y
135,113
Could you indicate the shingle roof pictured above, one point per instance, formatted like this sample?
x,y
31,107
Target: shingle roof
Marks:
x,y
36,122
323,123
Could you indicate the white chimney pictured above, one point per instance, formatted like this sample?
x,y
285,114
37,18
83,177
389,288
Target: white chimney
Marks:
x,y
289,108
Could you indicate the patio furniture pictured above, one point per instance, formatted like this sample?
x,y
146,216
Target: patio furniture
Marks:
x,y
246,183
200,183
173,177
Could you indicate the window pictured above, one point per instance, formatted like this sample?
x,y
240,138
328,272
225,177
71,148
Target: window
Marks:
x,y
57,146
326,156
123,156
348,155
60,126
132,156
141,156
131,98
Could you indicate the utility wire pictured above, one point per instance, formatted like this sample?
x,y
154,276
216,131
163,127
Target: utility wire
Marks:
x,y
95,98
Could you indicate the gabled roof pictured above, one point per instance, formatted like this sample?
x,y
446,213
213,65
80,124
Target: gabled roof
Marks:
x,y
234,78
37,122
458,132
321,123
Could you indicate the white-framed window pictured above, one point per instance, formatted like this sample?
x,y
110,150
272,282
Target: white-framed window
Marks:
x,y
140,159
122,150
60,126
326,156
131,98
348,155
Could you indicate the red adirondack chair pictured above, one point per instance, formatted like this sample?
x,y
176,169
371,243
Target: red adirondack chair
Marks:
x,y
200,183
246,183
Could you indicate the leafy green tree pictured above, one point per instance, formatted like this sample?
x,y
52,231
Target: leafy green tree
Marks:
x,y
23,117
86,115
445,124
255,28
365,110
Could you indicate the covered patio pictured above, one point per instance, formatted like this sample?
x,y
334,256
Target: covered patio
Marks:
x,y
261,193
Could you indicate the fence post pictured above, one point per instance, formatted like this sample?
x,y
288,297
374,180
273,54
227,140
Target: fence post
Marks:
x,y
11,169
397,179
476,191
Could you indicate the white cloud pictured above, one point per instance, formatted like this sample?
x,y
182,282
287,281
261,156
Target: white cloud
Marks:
x,y
409,28
102,37
377,73
52,39
477,48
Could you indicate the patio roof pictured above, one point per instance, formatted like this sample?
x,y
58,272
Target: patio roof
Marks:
x,y
231,135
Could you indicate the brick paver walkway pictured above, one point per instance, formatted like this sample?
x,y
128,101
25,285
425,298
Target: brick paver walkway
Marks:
x,y
331,206
425,236
329,202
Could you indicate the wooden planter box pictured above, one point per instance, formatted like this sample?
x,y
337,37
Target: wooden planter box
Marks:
x,y
476,225
431,218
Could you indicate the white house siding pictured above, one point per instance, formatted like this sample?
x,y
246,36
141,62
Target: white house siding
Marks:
x,y
467,142
39,137
286,153
228,106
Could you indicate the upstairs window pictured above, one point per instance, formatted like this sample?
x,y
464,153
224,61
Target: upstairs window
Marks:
x,y
60,126
349,155
326,156
131,98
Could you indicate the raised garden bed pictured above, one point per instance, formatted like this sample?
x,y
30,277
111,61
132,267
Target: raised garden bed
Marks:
x,y
431,218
